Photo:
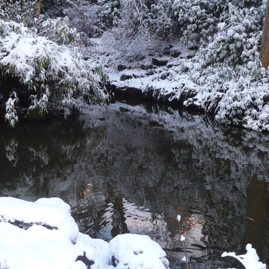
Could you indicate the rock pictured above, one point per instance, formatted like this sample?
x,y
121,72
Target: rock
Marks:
x,y
164,75
121,67
127,91
158,62
171,52
250,260
166,50
125,77
170,65
146,66
56,249
266,98
138,76
190,56
95,252
136,251
136,58
149,72
29,216
185,69
175,53
194,47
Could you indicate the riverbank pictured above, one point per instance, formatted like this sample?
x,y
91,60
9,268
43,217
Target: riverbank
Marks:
x,y
183,53
173,73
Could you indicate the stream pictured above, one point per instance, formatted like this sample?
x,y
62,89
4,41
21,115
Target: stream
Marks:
x,y
133,167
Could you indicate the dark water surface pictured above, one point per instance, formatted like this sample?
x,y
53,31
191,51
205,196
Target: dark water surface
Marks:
x,y
127,168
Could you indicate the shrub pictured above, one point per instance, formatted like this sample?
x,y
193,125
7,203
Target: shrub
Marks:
x,y
197,19
151,17
22,11
109,12
57,30
238,38
45,71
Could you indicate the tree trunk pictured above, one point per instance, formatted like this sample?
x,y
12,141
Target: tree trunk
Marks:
x,y
264,55
37,8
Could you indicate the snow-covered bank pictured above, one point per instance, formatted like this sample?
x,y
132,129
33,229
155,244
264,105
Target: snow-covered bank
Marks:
x,y
44,235
220,74
234,97
47,237
202,54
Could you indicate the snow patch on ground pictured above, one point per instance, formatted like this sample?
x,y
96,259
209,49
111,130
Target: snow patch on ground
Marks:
x,y
52,212
137,251
42,247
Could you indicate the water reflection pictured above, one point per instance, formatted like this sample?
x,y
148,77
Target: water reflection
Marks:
x,y
255,212
134,168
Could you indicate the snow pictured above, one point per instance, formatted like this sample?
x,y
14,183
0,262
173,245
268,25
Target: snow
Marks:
x,y
223,77
36,247
42,61
42,247
250,260
52,213
137,251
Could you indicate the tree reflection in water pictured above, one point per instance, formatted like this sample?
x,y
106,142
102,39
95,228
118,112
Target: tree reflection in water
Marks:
x,y
133,168
255,213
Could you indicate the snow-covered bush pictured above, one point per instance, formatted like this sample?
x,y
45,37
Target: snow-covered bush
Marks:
x,y
22,11
109,11
227,70
238,38
44,70
246,101
133,17
235,95
159,18
57,30
151,17
197,19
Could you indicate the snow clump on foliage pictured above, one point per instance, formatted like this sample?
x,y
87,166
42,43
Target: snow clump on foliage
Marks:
x,y
45,68
231,84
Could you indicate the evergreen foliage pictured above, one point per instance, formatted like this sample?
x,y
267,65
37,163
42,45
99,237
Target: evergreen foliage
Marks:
x,y
45,67
18,11
109,11
148,17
